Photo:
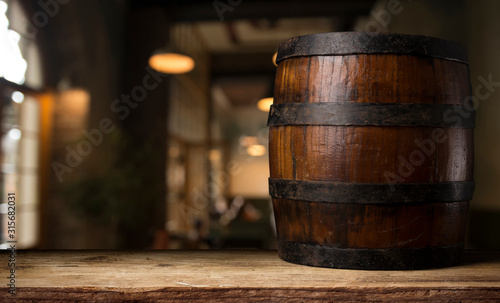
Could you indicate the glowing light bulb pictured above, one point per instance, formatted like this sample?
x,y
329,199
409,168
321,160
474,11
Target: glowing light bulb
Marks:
x,y
14,134
17,97
171,63
265,104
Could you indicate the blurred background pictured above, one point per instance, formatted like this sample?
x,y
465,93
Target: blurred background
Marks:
x,y
103,152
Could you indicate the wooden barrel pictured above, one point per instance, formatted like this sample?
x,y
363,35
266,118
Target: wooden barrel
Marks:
x,y
371,151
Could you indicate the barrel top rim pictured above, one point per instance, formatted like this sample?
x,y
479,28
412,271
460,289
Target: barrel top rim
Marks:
x,y
350,43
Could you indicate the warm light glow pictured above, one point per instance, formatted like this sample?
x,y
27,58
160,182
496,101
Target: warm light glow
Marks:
x,y
274,58
256,150
17,97
174,152
265,104
248,140
15,134
214,155
171,63
75,100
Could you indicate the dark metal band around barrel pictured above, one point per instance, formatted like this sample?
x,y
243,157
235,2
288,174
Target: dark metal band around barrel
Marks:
x,y
375,259
349,43
370,193
372,114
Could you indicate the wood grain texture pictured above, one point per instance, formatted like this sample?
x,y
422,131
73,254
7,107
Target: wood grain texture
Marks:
x,y
372,154
364,154
236,276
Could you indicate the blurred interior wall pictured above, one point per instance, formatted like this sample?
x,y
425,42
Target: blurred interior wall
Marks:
x,y
141,109
483,45
82,51
108,188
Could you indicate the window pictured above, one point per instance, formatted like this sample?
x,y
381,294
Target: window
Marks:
x,y
20,78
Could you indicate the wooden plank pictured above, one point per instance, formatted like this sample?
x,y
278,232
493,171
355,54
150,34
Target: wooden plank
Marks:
x,y
224,276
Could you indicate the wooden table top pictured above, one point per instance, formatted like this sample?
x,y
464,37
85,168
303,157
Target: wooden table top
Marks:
x,y
225,276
